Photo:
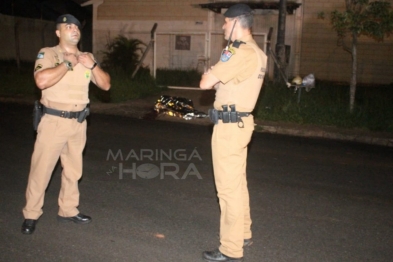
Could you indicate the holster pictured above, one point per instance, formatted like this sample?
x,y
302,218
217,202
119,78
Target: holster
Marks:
x,y
37,114
82,116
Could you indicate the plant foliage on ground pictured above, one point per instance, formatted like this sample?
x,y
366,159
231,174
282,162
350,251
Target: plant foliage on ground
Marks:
x,y
124,88
327,105
122,53
121,58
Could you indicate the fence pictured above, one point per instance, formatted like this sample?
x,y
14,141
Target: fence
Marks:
x,y
22,38
193,50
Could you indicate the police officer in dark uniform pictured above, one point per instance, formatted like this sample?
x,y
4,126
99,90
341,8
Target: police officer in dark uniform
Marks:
x,y
237,78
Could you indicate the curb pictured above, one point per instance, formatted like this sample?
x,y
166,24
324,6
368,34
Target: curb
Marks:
x,y
371,138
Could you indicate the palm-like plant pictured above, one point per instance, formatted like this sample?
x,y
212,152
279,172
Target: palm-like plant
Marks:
x,y
122,54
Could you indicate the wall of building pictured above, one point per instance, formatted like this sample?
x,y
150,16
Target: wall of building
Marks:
x,y
159,10
202,27
312,41
30,35
26,35
321,55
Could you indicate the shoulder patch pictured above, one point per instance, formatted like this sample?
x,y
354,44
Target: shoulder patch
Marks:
x,y
227,54
40,55
237,44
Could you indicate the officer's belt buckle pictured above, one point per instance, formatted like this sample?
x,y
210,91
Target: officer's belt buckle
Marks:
x,y
64,114
69,114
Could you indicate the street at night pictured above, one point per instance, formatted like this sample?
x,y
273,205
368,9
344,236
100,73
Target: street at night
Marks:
x,y
149,188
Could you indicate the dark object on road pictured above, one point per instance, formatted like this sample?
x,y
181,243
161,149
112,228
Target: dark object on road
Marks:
x,y
178,107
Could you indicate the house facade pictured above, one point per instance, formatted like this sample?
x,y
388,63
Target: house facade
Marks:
x,y
311,41
189,35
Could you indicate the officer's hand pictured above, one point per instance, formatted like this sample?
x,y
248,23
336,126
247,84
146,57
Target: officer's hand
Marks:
x,y
71,57
86,60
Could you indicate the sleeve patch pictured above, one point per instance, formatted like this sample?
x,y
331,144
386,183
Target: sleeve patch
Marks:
x,y
227,54
40,55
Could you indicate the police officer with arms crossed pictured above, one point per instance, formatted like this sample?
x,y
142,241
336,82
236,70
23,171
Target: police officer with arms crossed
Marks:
x,y
63,73
238,78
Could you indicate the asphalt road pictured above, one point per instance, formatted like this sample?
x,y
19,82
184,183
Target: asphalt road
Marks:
x,y
311,200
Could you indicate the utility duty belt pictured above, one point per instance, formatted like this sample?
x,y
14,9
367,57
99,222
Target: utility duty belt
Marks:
x,y
226,116
80,115
39,110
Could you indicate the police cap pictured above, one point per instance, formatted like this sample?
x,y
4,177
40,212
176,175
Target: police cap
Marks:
x,y
68,19
238,10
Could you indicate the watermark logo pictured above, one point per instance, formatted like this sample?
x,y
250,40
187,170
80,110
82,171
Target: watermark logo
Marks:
x,y
154,163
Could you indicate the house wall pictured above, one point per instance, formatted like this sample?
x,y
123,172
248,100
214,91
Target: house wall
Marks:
x,y
321,55
135,18
159,10
29,34
312,41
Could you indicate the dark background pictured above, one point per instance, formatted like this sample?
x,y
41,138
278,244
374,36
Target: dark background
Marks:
x,y
51,9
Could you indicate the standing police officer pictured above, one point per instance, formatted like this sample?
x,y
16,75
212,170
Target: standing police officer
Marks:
x,y
238,78
63,73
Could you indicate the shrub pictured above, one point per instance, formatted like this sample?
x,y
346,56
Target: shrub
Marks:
x,y
122,54
123,87
327,104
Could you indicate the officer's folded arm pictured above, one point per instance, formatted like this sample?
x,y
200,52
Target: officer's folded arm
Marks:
x,y
48,77
208,80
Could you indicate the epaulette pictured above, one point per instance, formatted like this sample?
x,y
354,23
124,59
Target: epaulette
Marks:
x,y
236,44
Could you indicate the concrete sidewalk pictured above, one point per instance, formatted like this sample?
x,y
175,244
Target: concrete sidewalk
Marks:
x,y
203,100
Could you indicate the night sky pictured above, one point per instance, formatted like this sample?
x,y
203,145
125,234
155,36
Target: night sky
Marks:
x,y
44,9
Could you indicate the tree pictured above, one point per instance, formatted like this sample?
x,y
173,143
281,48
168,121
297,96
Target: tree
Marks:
x,y
280,46
361,17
